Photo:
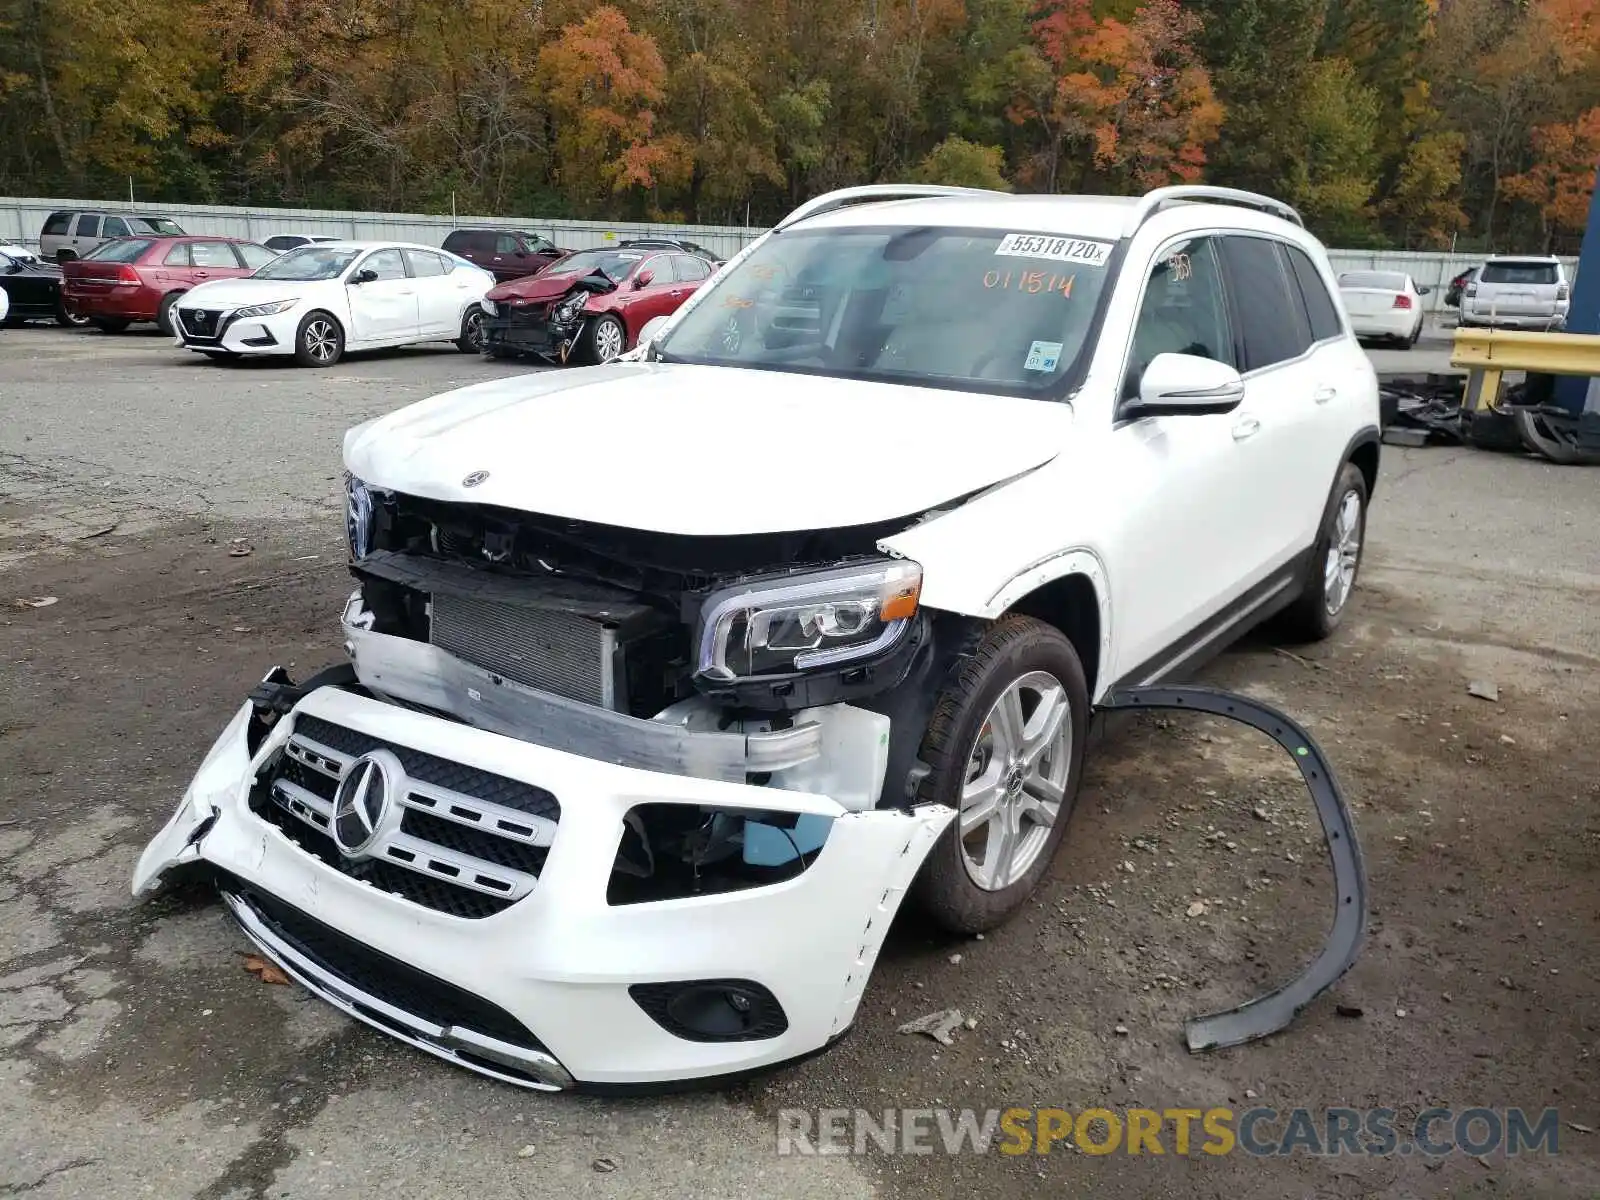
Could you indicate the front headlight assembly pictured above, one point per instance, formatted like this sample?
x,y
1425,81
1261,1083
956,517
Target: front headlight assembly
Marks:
x,y
266,310
358,516
568,309
781,626
488,306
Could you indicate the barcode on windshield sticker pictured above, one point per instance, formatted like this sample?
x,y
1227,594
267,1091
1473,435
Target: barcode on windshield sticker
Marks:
x,y
1056,249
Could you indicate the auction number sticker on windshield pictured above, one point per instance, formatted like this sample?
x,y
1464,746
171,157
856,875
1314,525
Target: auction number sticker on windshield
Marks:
x,y
1056,249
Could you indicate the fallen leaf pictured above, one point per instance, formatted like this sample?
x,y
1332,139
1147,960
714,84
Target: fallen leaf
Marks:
x,y
263,970
937,1025
604,1165
35,601
1580,1128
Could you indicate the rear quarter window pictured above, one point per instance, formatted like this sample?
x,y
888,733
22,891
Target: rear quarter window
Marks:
x,y
58,223
123,250
1321,314
1271,322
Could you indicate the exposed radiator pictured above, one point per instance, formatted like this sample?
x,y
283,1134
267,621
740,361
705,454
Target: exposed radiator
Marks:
x,y
559,652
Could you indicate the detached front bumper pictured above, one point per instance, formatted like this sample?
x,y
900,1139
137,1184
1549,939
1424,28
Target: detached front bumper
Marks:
x,y
562,986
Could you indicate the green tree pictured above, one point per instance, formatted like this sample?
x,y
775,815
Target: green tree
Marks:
x,y
959,163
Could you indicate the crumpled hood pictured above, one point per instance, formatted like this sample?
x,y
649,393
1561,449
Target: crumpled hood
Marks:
x,y
682,449
547,285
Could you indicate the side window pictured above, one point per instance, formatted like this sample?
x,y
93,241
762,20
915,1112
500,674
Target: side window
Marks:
x,y
457,242
1270,319
692,269
88,226
386,263
505,243
212,254
255,257
660,268
57,225
1321,314
178,256
114,227
423,263
1183,310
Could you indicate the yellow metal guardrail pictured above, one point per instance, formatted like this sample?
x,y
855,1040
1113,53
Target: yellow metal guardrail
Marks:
x,y
1488,353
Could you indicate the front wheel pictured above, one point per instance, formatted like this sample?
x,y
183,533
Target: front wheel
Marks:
x,y
604,339
1006,747
319,342
108,324
1335,562
471,339
164,314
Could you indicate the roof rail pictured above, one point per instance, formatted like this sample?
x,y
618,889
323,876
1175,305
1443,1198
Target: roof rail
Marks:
x,y
830,201
1153,202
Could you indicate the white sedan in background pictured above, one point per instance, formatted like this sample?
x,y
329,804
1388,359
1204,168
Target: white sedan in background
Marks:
x,y
319,301
1383,305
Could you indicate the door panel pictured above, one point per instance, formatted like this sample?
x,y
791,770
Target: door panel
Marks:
x,y
385,308
1181,500
439,298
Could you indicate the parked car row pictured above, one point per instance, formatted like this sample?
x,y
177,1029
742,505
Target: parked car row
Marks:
x,y
228,298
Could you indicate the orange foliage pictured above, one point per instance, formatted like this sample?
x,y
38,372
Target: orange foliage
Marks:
x,y
1563,181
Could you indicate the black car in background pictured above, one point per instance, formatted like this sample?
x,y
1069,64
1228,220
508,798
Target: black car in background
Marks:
x,y
1452,295
33,291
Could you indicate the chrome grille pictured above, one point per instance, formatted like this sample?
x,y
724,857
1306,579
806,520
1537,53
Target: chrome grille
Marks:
x,y
469,843
559,652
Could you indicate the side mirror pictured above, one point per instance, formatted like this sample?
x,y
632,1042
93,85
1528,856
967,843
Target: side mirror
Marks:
x,y
1185,385
1423,291
365,275
644,278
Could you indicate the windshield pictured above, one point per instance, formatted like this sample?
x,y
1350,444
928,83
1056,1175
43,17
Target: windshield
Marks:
x,y
161,225
614,263
123,250
985,308
1373,279
1536,273
307,264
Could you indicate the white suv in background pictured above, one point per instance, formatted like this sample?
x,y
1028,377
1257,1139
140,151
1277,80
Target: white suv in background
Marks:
x,y
1522,292
669,679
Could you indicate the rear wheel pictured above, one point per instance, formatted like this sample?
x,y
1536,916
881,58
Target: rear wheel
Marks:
x,y
1335,562
1006,745
70,319
164,314
471,339
319,342
108,324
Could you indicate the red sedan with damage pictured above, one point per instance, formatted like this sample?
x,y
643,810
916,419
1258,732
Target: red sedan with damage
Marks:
x,y
590,305
140,278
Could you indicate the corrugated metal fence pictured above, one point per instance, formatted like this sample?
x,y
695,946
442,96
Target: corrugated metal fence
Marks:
x,y
21,219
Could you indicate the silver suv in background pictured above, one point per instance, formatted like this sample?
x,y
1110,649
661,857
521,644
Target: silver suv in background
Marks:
x,y
1523,292
69,235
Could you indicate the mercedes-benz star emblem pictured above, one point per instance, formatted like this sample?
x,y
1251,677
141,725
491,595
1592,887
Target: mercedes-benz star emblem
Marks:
x,y
361,805
475,479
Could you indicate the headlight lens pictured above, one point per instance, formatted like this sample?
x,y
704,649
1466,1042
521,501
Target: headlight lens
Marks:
x,y
266,310
778,627
357,516
488,306
570,307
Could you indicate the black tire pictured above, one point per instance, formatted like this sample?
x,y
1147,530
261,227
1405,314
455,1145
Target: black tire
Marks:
x,y
69,320
603,331
1309,618
1011,650
471,339
501,351
319,341
164,314
65,256
109,324
222,356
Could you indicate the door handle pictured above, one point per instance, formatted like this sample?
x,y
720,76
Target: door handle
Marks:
x,y
1323,394
1246,429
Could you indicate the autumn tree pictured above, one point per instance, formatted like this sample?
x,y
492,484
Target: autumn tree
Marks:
x,y
1560,183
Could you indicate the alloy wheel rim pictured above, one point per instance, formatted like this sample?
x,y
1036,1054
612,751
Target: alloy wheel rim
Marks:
x,y
608,340
1344,554
1016,781
475,330
320,341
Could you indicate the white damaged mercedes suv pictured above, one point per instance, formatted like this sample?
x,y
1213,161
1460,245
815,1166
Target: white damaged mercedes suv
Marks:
x,y
668,680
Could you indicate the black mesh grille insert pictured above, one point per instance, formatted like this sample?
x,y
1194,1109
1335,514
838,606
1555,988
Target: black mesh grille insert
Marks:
x,y
384,978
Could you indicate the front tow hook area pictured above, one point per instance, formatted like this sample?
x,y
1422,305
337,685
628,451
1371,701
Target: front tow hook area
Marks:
x,y
1274,1011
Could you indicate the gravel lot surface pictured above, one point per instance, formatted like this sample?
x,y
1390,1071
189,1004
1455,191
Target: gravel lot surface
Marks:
x,y
138,1057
